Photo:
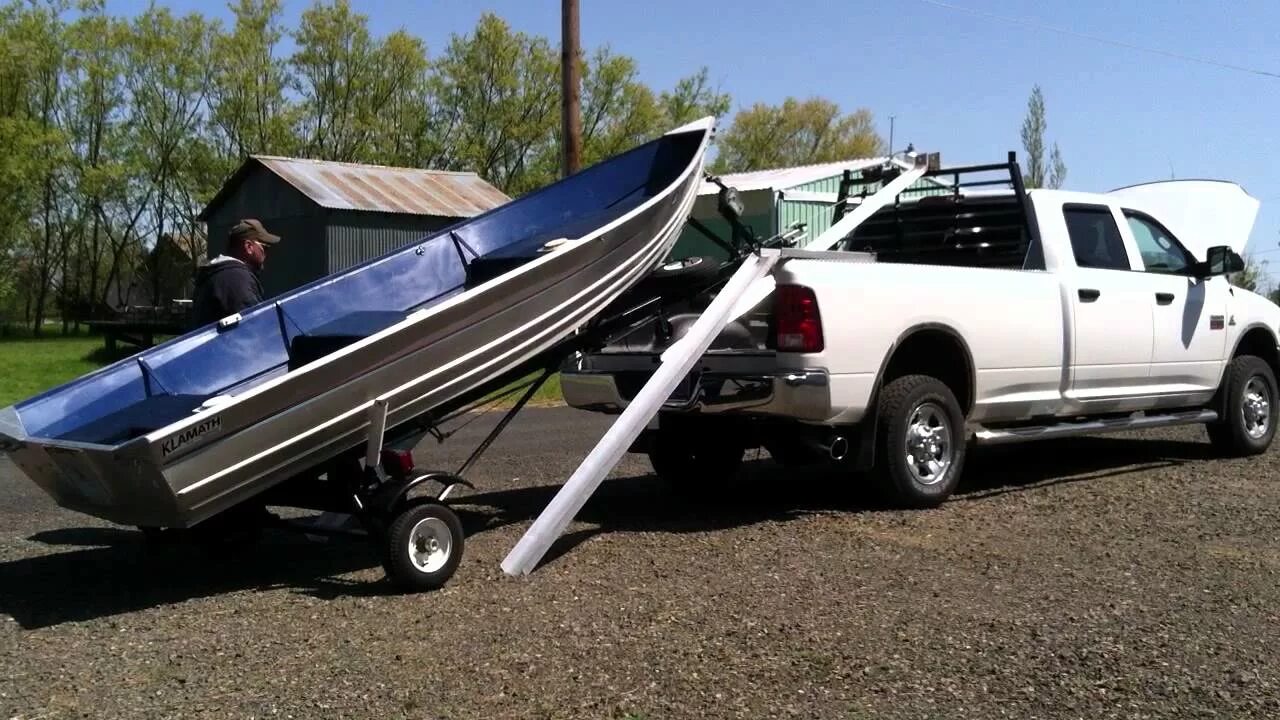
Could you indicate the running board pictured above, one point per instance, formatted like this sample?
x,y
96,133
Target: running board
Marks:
x,y
1043,432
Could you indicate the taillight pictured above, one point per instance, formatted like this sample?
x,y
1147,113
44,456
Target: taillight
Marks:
x,y
795,313
397,463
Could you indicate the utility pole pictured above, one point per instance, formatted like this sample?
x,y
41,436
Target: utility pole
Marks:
x,y
570,86
891,119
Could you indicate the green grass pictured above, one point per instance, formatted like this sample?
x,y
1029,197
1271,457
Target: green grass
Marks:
x,y
29,365
548,394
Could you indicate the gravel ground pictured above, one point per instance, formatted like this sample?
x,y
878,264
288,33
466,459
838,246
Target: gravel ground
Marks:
x,y
1123,576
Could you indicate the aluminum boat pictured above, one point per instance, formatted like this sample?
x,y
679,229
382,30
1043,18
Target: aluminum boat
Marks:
x,y
189,428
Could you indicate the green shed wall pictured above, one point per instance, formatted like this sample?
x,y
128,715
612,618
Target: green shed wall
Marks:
x,y
757,214
817,214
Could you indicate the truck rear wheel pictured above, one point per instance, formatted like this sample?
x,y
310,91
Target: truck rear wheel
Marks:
x,y
693,461
1251,410
921,442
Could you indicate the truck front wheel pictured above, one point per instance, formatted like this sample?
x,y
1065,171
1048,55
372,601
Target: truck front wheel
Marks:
x,y
1250,421
921,442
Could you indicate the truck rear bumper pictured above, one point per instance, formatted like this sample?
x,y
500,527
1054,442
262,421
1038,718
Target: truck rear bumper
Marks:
x,y
797,394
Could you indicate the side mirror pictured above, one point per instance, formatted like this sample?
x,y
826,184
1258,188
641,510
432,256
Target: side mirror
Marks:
x,y
1221,260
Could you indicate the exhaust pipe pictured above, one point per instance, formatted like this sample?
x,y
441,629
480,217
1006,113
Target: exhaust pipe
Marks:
x,y
839,448
836,448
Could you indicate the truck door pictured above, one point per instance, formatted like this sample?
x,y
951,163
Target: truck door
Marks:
x,y
1188,314
1113,331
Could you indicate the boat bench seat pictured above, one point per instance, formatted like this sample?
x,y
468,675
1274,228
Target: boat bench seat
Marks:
x,y
339,333
140,418
499,262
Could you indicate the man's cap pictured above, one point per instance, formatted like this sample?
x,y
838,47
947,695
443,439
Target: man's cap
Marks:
x,y
252,229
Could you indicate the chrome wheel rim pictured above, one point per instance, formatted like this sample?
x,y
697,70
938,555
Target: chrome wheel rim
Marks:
x,y
1256,407
928,444
430,544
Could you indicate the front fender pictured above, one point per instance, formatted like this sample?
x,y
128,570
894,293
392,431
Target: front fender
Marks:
x,y
392,494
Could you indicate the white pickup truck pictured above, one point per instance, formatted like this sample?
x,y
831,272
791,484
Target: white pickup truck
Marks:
x,y
984,315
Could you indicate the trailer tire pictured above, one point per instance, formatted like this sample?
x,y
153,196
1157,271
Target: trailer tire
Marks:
x,y
422,547
1251,409
920,442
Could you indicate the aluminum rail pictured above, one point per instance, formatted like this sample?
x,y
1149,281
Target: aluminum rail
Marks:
x,y
677,361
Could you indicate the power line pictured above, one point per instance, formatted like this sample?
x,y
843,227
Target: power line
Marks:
x,y
1073,33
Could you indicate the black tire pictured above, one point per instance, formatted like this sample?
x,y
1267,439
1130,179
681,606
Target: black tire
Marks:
x,y
1237,434
692,463
699,267
920,400
398,559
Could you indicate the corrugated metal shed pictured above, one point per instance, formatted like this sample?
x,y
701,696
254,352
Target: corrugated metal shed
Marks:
x,y
334,215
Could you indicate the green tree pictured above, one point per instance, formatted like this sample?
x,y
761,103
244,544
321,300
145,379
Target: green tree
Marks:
x,y
618,111
1253,277
398,117
34,51
692,98
168,73
248,107
1039,173
93,106
496,93
797,132
363,99
333,68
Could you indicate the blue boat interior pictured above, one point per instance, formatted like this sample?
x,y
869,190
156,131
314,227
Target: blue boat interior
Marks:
x,y
163,384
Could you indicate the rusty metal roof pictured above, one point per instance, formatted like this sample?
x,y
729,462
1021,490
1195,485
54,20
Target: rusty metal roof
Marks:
x,y
376,188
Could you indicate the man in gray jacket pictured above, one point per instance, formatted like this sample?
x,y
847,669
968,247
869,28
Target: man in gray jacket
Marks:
x,y
229,282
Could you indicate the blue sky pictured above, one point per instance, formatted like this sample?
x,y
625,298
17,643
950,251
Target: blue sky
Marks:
x,y
957,82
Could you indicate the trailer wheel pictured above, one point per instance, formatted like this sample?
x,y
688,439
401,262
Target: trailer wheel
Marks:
x,y
921,442
1252,409
423,547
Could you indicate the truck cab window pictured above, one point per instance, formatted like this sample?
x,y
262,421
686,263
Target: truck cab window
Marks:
x,y
1095,238
1160,252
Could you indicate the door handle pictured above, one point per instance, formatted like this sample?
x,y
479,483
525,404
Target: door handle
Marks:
x,y
1089,294
1164,298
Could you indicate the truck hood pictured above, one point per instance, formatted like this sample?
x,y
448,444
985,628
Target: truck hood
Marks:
x,y
1200,213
